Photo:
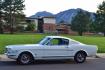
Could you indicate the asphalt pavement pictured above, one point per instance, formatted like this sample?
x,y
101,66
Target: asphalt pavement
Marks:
x,y
91,64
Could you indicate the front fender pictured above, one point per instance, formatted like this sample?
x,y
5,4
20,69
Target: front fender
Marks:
x,y
22,51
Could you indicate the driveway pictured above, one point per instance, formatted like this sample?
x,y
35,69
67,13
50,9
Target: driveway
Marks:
x,y
90,64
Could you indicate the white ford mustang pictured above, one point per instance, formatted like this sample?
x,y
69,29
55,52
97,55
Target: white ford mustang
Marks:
x,y
51,47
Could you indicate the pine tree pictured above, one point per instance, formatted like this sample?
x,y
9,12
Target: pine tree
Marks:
x,y
1,15
13,8
100,18
80,22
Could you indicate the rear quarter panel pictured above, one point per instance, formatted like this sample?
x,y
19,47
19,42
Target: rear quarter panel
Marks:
x,y
91,50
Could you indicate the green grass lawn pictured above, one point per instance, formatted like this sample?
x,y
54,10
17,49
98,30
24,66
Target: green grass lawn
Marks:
x,y
34,38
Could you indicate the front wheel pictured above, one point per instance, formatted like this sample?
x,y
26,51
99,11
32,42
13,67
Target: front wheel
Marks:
x,y
25,58
80,57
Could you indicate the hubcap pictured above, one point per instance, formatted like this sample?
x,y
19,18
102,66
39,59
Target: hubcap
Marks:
x,y
80,57
25,58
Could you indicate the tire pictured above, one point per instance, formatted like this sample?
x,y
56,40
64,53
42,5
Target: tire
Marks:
x,y
80,57
25,58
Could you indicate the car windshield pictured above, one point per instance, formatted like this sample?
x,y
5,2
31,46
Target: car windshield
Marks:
x,y
44,41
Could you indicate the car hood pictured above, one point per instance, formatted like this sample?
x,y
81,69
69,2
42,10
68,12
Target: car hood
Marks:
x,y
24,46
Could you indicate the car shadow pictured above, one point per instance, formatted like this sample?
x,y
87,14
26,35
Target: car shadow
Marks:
x,y
38,62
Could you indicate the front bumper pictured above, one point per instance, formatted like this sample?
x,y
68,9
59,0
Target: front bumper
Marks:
x,y
11,56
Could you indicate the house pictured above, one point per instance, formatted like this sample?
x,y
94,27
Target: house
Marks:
x,y
49,24
44,24
63,28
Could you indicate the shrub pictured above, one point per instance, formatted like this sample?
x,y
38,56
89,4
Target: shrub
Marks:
x,y
30,27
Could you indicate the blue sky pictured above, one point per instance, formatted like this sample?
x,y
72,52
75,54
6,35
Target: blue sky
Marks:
x,y
55,6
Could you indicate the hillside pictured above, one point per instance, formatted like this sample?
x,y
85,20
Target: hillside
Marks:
x,y
64,16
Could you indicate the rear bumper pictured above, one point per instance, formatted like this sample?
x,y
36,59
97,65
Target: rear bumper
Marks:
x,y
92,54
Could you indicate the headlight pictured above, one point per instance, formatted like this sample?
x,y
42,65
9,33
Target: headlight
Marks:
x,y
9,50
14,51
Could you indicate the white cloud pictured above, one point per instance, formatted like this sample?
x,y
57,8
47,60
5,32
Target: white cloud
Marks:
x,y
55,6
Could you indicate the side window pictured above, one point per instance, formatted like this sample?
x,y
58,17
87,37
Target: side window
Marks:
x,y
54,41
64,42
59,41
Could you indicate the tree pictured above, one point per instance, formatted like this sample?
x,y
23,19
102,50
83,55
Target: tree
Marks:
x,y
12,9
80,22
1,16
100,18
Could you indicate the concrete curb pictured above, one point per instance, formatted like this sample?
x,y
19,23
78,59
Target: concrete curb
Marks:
x,y
4,58
100,55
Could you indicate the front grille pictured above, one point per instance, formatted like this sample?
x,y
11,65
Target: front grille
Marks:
x,y
6,50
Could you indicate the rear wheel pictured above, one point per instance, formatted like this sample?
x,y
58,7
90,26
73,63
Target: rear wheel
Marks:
x,y
25,58
80,57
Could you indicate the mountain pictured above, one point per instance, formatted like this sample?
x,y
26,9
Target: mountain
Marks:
x,y
64,16
41,14
67,16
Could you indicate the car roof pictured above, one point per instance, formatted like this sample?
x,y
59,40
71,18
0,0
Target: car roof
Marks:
x,y
58,37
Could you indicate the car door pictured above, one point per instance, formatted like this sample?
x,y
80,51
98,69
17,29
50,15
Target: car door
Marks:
x,y
56,47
